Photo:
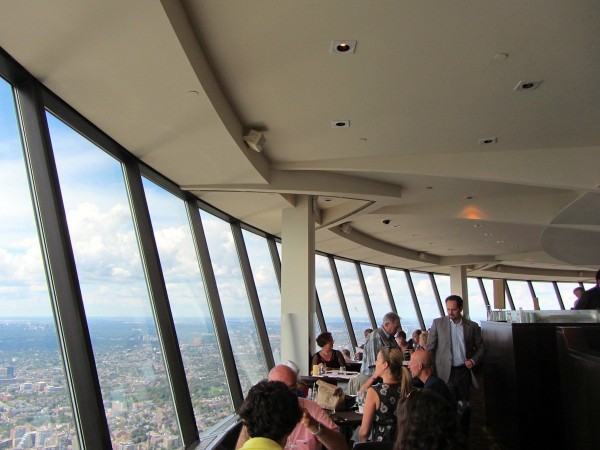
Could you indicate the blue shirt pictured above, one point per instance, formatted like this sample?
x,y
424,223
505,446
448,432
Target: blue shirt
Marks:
x,y
377,340
458,343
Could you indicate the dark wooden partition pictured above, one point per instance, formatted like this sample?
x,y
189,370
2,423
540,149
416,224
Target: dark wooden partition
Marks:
x,y
579,356
523,389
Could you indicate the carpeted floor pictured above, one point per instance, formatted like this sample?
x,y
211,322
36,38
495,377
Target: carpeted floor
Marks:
x,y
479,438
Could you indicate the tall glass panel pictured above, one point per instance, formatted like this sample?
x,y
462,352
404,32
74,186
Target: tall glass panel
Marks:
x,y
187,297
546,295
135,389
566,292
477,309
443,284
354,298
521,294
269,294
426,297
35,409
249,358
377,293
330,303
403,300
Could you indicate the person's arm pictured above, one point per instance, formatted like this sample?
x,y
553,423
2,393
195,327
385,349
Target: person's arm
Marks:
x,y
328,437
242,438
340,358
432,338
479,348
368,418
315,360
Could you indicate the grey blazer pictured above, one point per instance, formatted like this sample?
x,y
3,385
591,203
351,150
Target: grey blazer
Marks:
x,y
439,343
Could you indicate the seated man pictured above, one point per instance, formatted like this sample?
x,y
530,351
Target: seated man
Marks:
x,y
270,412
315,428
420,368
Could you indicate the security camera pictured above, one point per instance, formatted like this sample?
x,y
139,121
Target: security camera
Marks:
x,y
386,221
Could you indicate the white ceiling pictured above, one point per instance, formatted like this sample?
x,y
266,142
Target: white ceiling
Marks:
x,y
179,82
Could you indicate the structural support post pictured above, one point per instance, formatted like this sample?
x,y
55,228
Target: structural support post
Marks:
x,y
298,282
458,286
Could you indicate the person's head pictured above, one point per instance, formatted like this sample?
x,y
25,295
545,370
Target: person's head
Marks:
x,y
423,339
285,375
368,332
578,291
420,364
346,353
270,410
427,421
325,341
401,336
454,306
391,359
415,336
391,323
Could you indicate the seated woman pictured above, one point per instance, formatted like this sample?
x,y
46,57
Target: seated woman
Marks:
x,y
379,411
427,422
327,356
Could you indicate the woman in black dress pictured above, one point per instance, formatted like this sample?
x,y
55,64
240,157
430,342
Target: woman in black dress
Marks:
x,y
327,356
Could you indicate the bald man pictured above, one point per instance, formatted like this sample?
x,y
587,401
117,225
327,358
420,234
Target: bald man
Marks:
x,y
315,428
420,366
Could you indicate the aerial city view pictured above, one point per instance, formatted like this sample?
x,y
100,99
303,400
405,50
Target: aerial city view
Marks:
x,y
35,410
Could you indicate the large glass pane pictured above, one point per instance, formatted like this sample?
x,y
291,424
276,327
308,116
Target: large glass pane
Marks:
x,y
269,294
330,303
34,400
403,300
521,294
377,293
187,297
128,355
354,298
249,358
566,292
426,297
477,309
443,284
546,295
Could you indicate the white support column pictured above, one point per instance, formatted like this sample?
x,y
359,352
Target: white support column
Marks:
x,y
298,282
458,286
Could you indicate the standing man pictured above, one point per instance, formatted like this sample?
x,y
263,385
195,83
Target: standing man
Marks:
x,y
457,347
590,298
381,337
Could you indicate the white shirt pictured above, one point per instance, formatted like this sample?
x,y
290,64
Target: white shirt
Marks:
x,y
458,343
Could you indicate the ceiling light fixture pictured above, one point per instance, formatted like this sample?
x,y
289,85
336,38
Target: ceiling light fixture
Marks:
x,y
488,141
343,47
527,85
340,123
255,140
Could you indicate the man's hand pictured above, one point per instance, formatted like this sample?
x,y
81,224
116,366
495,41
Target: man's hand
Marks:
x,y
469,363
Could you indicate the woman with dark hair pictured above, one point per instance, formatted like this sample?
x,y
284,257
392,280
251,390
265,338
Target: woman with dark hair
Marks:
x,y
427,422
403,344
327,356
379,410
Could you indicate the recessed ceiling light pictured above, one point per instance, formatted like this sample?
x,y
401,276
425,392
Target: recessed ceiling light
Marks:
x,y
500,56
469,197
488,141
477,225
488,234
343,47
395,226
429,187
340,123
527,85
499,242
